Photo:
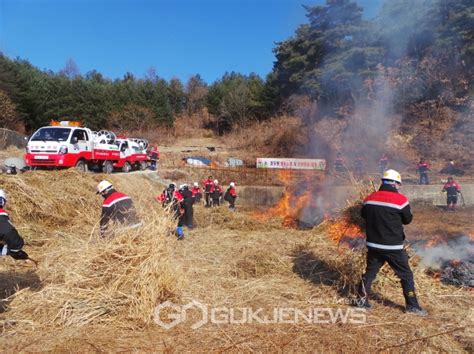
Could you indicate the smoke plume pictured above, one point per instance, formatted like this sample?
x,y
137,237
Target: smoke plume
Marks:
x,y
461,248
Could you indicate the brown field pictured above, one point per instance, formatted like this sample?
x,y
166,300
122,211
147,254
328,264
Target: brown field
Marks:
x,y
88,295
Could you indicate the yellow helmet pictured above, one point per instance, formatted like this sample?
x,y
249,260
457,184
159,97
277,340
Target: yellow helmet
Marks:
x,y
103,186
392,175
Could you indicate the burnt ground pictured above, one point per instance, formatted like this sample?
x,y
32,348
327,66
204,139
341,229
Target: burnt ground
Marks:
x,y
432,221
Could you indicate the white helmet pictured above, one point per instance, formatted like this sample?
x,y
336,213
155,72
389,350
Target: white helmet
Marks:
x,y
103,186
392,175
216,182
232,184
196,184
3,195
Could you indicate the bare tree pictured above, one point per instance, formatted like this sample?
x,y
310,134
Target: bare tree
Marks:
x,y
70,70
151,75
236,105
8,114
196,90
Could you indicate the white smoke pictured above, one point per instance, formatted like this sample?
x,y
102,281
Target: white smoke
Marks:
x,y
461,248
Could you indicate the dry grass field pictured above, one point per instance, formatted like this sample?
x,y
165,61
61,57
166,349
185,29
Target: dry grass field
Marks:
x,y
94,295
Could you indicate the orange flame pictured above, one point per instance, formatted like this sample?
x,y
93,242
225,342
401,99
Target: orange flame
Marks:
x,y
290,205
343,229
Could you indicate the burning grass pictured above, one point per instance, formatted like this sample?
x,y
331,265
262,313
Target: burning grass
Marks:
x,y
230,260
84,279
301,205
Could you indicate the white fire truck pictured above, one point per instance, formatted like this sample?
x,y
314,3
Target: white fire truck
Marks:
x,y
132,153
68,144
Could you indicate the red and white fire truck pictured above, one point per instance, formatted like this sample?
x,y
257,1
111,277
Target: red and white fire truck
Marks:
x,y
68,144
132,153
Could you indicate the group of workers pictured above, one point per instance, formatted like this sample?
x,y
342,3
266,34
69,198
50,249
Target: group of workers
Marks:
x,y
422,167
451,187
182,200
118,207
385,212
213,193
179,201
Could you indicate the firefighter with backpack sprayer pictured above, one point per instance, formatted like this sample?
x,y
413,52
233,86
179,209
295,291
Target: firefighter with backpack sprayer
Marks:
x,y
452,189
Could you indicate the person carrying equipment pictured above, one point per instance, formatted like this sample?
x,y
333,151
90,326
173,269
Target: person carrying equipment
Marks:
x,y
197,193
215,193
11,243
385,213
208,183
188,202
154,156
423,169
173,199
116,207
166,197
179,213
231,195
452,189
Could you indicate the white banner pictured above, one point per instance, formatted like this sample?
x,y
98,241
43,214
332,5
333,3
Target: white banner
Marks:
x,y
292,164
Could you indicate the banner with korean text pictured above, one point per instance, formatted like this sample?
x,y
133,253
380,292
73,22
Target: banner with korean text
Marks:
x,y
295,164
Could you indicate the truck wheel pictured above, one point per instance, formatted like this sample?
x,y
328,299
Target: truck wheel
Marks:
x,y
108,167
143,165
126,167
81,166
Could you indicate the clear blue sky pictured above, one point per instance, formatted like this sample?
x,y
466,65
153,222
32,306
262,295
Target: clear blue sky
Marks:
x,y
177,37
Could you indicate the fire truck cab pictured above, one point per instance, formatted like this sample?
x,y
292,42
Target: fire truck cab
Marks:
x,y
68,144
132,154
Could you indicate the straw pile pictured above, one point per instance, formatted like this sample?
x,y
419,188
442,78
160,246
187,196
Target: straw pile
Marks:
x,y
85,279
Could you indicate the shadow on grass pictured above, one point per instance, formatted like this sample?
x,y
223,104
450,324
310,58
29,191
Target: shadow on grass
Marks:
x,y
11,282
309,267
